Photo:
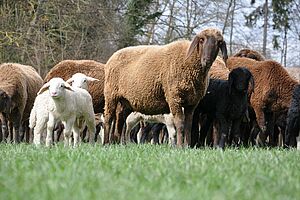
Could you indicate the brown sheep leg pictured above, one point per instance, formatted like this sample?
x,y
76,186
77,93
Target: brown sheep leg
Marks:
x,y
188,120
178,122
261,122
16,126
122,114
26,131
110,117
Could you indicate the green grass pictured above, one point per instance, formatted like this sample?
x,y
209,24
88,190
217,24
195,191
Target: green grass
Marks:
x,y
147,172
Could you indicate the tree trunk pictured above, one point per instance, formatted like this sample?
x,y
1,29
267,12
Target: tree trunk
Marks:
x,y
265,33
285,46
170,23
227,15
231,27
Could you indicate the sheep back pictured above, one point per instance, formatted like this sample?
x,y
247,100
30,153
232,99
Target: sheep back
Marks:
x,y
147,76
65,69
249,53
22,83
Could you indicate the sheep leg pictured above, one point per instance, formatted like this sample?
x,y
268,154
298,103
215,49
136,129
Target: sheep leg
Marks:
x,y
110,116
130,123
223,132
291,132
50,128
141,134
90,123
68,131
188,119
16,130
205,128
195,128
4,131
26,131
176,111
76,135
262,136
120,120
172,131
37,133
235,131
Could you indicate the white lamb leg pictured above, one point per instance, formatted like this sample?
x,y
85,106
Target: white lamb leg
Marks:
x,y
139,136
101,135
68,132
91,131
298,142
37,139
50,127
171,130
76,135
172,135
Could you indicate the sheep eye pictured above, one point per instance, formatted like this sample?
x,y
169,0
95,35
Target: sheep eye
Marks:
x,y
84,80
61,85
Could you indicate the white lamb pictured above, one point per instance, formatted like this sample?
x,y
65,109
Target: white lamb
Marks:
x,y
40,111
69,104
135,117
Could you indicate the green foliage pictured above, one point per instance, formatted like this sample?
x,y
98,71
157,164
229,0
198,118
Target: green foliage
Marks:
x,y
275,42
281,13
137,15
147,172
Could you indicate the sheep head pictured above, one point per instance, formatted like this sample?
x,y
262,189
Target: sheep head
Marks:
x,y
81,80
239,79
56,87
207,43
5,102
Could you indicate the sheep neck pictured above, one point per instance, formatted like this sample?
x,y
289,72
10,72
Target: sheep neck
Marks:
x,y
60,103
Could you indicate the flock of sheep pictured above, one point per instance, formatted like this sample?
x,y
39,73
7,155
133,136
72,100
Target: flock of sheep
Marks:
x,y
180,93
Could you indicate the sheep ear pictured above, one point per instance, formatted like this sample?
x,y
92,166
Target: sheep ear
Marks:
x,y
70,80
68,87
194,44
224,51
92,79
43,89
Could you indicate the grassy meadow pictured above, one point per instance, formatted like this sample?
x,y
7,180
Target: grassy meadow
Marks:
x,y
147,172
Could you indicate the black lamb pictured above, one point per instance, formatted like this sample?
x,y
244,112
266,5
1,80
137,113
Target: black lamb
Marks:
x,y
226,103
293,119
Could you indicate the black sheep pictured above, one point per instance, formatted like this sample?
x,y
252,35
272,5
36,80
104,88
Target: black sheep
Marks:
x,y
226,102
293,119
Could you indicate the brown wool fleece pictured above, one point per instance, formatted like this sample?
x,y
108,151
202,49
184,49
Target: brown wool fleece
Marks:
x,y
153,79
21,83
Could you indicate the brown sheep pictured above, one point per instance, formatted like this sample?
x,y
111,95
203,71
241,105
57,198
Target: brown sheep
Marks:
x,y
18,89
273,91
249,53
65,69
161,79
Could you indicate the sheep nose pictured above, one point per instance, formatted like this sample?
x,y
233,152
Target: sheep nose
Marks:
x,y
53,93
